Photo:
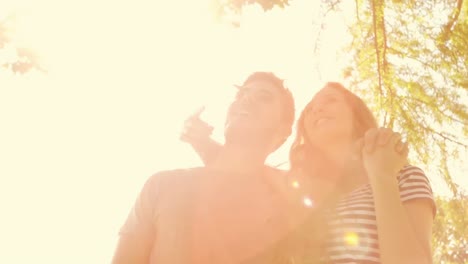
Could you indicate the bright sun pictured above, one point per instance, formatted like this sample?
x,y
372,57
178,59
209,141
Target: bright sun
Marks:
x,y
78,143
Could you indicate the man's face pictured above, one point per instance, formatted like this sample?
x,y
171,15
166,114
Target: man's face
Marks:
x,y
256,114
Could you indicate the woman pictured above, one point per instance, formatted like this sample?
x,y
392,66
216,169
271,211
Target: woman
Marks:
x,y
379,210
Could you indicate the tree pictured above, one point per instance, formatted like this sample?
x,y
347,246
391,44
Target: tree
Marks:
x,y
409,61
450,233
22,60
237,5
413,69
410,68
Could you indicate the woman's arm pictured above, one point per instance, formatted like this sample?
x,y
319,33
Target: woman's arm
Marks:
x,y
207,149
197,133
404,229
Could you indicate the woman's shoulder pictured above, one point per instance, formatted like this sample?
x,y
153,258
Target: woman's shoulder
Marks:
x,y
277,171
411,172
415,185
411,169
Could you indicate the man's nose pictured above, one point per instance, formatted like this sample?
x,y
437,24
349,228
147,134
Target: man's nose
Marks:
x,y
247,99
318,108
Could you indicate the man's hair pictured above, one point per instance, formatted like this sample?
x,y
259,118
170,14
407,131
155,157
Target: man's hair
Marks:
x,y
288,100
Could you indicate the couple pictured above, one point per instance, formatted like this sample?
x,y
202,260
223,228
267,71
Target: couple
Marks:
x,y
349,196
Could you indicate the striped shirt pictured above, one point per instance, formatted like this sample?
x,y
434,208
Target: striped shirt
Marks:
x,y
353,228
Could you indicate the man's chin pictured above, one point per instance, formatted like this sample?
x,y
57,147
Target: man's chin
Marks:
x,y
241,135
237,133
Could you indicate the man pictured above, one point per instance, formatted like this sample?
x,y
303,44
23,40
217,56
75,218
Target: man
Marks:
x,y
227,211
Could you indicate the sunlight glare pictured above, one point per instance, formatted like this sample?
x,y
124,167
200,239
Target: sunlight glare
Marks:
x,y
308,202
351,239
121,79
295,184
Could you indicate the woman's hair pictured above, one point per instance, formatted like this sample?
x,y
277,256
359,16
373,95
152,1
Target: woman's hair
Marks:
x,y
363,120
301,159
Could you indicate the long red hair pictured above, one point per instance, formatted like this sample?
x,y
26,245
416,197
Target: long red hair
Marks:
x,y
302,151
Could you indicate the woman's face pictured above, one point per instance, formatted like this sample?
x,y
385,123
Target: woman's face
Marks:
x,y
328,119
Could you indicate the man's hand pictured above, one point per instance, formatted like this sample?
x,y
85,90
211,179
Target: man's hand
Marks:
x,y
383,152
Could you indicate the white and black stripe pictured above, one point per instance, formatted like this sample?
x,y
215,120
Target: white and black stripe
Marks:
x,y
353,235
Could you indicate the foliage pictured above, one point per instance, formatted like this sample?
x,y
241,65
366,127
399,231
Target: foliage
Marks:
x,y
450,233
22,60
233,8
409,61
237,5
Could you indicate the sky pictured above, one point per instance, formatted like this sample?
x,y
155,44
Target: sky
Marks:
x,y
78,142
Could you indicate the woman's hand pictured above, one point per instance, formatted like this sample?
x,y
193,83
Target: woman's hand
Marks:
x,y
195,130
383,152
197,133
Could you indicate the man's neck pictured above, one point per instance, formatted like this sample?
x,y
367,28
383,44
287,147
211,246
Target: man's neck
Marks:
x,y
240,159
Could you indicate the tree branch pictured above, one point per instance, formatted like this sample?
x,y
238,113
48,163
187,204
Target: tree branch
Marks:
x,y
357,11
376,46
433,106
380,45
448,28
445,137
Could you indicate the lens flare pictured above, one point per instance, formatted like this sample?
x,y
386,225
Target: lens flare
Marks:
x,y
351,239
295,184
308,202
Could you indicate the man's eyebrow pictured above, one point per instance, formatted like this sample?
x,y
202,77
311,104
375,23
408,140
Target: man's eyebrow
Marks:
x,y
314,100
244,88
326,96
265,91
